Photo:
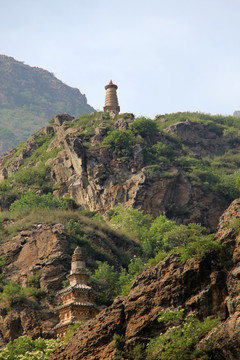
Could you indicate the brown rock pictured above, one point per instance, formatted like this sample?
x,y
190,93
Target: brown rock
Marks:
x,y
98,180
204,286
61,118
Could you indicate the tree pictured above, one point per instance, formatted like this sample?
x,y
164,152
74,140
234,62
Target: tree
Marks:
x,y
131,220
104,280
182,333
135,266
121,142
143,126
31,200
181,235
25,348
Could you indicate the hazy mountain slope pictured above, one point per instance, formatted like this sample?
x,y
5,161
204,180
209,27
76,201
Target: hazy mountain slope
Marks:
x,y
29,97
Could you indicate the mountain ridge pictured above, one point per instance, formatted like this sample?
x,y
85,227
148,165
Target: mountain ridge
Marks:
x,y
29,97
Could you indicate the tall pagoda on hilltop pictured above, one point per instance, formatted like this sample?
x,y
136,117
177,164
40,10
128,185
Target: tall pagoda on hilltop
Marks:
x,y
77,300
111,100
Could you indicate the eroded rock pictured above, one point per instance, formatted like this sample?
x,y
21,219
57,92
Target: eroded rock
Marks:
x,y
205,287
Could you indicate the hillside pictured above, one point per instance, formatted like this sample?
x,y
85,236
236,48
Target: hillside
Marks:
x,y
37,249
29,97
206,287
139,196
186,169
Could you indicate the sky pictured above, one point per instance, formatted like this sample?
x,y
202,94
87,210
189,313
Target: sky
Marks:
x,y
165,55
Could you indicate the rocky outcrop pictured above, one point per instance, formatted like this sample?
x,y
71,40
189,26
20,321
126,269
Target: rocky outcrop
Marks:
x,y
203,139
208,287
44,251
98,180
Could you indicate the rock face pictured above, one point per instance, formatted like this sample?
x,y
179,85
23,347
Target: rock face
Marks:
x,y
98,180
204,139
208,287
45,250
42,250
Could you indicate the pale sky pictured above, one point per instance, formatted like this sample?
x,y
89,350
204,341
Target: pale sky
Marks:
x,y
165,55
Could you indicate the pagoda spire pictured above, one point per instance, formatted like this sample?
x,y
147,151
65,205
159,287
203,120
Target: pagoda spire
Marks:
x,y
78,273
111,100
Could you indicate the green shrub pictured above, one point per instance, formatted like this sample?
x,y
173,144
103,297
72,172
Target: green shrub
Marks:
x,y
131,220
125,279
104,280
12,294
121,142
38,176
198,247
71,330
158,257
25,348
31,200
181,337
143,126
131,351
34,280
166,150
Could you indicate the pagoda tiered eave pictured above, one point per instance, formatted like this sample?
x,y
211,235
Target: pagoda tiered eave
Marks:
x,y
75,303
72,288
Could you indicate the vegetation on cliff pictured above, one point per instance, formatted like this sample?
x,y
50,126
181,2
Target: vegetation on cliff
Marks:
x,y
63,170
25,348
165,154
179,340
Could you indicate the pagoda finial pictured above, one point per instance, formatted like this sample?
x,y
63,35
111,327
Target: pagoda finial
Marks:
x,y
77,255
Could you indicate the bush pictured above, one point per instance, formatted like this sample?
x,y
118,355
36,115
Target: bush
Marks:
x,y
104,280
131,220
25,348
121,142
71,330
131,351
125,279
198,246
181,337
163,150
37,176
143,126
47,201
12,294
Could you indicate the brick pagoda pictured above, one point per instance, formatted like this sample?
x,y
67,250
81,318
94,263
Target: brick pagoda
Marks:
x,y
111,100
77,300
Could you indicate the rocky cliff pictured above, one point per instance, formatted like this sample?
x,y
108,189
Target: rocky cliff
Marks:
x,y
41,253
158,171
208,287
98,179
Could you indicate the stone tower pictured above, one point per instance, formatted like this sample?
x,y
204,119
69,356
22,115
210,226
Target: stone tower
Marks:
x,y
111,100
77,300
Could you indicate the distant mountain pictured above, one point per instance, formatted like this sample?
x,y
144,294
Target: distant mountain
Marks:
x,y
29,98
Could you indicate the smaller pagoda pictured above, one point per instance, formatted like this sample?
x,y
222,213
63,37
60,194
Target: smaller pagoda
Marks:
x,y
111,100
77,300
